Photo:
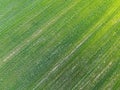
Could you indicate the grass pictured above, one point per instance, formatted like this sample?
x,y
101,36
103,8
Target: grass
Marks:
x,y
59,45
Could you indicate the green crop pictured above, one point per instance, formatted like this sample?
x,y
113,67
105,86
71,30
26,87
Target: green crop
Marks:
x,y
59,44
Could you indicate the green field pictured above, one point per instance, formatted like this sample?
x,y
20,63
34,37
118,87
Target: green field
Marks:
x,y
59,44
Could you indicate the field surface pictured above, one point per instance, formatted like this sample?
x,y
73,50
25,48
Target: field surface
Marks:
x,y
59,44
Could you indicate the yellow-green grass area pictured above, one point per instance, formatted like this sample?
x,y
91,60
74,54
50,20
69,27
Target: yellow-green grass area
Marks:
x,y
59,44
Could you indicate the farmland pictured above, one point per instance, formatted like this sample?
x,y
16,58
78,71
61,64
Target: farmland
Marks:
x,y
59,45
